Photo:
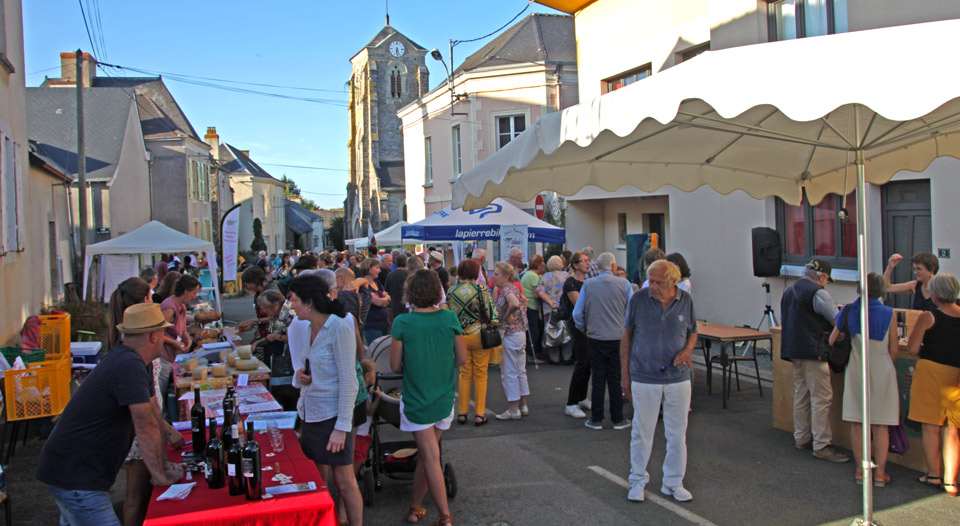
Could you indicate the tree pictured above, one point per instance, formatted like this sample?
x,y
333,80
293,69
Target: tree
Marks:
x,y
258,243
336,233
290,189
556,215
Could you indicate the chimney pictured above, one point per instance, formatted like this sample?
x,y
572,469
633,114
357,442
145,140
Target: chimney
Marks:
x,y
213,141
68,68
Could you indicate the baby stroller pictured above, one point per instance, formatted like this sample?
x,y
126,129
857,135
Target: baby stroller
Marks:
x,y
396,460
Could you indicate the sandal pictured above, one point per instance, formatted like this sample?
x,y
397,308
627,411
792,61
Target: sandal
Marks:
x,y
951,489
418,512
480,420
929,480
444,519
462,418
881,480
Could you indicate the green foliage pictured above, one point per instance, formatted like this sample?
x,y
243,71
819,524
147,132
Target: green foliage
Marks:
x,y
336,233
290,189
258,243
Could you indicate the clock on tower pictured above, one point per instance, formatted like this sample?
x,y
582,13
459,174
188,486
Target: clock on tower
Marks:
x,y
396,48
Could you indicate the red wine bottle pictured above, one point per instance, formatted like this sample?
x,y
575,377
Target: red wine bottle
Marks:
x,y
226,437
198,425
214,458
250,460
235,480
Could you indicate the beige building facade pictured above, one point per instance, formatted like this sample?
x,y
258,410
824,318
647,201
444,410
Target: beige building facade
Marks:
x,y
526,72
624,41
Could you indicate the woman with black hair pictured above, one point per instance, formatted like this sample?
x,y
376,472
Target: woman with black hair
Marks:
x,y
255,282
328,390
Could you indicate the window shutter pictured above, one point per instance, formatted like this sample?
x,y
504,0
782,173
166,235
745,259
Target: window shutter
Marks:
x,y
18,182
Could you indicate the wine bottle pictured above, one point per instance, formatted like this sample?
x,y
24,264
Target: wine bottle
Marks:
x,y
226,432
214,458
198,425
235,479
250,460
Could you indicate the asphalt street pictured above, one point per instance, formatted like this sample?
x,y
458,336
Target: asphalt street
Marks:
x,y
548,469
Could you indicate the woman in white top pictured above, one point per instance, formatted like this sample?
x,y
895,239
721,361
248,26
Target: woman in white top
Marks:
x,y
326,405
677,259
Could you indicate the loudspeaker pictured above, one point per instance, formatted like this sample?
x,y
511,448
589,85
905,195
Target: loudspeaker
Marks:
x,y
766,252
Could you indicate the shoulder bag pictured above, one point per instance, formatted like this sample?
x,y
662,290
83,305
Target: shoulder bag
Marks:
x,y
489,335
839,355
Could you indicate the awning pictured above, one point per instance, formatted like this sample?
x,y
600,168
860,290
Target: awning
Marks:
x,y
481,224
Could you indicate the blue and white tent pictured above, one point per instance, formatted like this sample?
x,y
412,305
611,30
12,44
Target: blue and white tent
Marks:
x,y
481,224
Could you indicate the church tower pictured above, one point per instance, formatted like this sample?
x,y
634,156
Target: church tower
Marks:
x,y
388,73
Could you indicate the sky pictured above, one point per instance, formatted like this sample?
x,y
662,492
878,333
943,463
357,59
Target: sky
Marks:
x,y
294,44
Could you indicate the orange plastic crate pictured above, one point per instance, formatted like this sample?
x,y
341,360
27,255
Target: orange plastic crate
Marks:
x,y
41,390
55,336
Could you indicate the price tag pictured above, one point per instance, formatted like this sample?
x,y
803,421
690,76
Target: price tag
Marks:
x,y
242,380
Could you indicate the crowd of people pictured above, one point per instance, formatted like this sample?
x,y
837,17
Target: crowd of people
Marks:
x,y
631,339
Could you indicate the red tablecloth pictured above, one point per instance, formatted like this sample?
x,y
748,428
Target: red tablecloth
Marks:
x,y
216,507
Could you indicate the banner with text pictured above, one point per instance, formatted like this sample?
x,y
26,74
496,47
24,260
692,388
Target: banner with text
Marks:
x,y
513,236
229,235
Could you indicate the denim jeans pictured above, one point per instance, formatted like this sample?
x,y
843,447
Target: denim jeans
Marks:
x,y
605,370
372,334
84,507
533,322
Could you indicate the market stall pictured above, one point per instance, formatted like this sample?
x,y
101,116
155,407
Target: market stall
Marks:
x,y
117,255
482,224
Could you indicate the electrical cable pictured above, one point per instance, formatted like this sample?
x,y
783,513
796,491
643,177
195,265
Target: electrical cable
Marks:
x,y
87,26
524,10
306,167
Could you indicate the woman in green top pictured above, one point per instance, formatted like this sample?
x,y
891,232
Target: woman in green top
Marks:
x,y
529,281
427,348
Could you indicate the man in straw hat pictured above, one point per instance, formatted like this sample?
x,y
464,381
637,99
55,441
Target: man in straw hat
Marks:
x,y
81,459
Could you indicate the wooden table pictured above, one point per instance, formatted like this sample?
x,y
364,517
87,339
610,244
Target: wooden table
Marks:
x,y
725,336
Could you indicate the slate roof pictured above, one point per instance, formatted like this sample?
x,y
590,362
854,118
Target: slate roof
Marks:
x,y
155,91
386,33
298,218
52,123
240,163
38,154
391,174
538,38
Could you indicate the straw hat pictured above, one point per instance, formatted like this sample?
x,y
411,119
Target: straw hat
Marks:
x,y
436,255
141,318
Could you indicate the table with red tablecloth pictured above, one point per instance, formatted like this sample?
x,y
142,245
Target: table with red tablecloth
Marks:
x,y
216,507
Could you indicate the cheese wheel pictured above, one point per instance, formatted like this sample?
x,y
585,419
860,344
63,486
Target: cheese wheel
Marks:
x,y
244,352
219,370
199,373
246,365
232,359
191,364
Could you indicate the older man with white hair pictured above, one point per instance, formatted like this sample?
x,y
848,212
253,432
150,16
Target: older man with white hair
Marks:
x,y
594,269
659,332
481,256
599,314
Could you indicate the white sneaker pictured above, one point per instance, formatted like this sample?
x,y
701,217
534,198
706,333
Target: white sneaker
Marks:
x,y
574,411
524,411
636,493
508,415
586,404
679,493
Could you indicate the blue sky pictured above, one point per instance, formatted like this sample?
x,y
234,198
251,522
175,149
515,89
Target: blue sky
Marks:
x,y
288,43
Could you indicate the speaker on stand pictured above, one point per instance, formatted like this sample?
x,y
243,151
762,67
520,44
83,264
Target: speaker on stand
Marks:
x,y
767,260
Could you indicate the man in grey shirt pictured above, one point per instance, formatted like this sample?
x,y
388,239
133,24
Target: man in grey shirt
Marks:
x,y
599,314
808,314
659,332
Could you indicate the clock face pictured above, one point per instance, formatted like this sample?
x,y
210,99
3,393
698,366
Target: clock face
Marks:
x,y
396,48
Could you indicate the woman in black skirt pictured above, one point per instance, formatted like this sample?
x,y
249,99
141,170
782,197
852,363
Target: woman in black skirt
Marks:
x,y
329,388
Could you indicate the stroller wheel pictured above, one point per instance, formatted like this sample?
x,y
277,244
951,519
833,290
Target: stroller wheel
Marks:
x,y
450,481
367,486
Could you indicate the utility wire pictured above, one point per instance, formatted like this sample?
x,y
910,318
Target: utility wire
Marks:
x,y
524,10
194,77
306,167
87,26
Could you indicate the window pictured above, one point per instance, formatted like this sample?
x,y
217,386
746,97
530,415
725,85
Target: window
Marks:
x,y
263,206
396,82
789,19
457,161
508,128
428,162
808,231
625,79
191,180
621,227
11,198
207,230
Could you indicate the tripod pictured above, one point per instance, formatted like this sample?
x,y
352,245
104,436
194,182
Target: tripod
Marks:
x,y
768,316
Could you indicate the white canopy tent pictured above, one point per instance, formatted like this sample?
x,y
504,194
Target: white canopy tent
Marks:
x,y
388,237
152,238
458,224
821,114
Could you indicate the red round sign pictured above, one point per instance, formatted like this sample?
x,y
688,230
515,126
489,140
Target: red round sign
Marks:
x,y
539,207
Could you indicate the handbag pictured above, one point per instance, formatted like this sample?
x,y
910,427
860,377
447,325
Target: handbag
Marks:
x,y
899,442
839,355
565,309
489,335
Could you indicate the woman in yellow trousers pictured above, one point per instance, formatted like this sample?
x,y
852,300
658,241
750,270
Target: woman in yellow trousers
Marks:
x,y
473,304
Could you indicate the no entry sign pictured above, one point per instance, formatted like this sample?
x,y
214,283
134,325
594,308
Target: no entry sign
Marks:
x,y
538,207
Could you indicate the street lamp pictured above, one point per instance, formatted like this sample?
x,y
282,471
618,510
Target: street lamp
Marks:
x,y
454,97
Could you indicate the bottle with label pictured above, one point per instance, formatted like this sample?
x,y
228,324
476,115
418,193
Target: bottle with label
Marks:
x,y
235,479
214,458
198,425
250,460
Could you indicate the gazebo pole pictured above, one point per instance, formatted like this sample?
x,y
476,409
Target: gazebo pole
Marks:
x,y
862,258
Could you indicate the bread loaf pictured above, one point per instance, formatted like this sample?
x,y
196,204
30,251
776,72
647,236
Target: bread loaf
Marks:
x,y
206,334
206,317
